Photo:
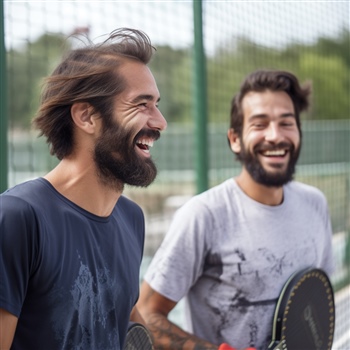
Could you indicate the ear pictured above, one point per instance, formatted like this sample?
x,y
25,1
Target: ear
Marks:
x,y
234,141
83,117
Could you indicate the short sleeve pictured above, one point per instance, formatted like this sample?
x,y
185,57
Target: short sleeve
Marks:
x,y
180,259
17,251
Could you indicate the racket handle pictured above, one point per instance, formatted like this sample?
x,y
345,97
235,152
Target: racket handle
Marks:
x,y
225,346
277,345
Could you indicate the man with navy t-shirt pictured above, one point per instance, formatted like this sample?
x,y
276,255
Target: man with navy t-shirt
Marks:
x,y
71,244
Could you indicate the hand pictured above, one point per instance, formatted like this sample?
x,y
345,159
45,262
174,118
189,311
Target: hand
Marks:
x,y
228,347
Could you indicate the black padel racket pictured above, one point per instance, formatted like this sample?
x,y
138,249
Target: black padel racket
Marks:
x,y
138,338
304,317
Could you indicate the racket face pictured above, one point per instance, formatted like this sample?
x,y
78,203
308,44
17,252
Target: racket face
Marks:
x,y
307,315
138,338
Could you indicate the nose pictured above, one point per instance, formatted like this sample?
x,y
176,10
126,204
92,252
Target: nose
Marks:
x,y
157,121
273,133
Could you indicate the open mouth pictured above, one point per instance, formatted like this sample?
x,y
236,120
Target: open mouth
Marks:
x,y
144,145
274,153
145,139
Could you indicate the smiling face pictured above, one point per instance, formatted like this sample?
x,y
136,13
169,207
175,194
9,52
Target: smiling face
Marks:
x,y
122,152
270,142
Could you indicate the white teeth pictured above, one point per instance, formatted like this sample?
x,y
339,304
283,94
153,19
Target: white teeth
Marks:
x,y
275,153
148,143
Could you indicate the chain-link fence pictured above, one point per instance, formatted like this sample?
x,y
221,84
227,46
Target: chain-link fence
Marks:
x,y
310,38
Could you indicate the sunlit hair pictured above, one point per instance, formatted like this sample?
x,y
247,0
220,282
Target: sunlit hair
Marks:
x,y
274,80
89,74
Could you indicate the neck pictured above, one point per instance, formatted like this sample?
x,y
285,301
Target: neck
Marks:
x,y
263,194
81,185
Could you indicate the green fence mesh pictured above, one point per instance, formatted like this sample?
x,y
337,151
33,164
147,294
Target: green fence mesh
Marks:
x,y
310,38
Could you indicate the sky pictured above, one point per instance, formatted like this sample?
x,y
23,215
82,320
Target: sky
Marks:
x,y
269,23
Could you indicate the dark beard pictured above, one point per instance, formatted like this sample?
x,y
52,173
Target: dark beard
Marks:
x,y
117,161
263,177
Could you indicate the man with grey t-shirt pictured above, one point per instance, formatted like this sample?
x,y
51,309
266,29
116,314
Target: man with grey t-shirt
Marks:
x,y
230,250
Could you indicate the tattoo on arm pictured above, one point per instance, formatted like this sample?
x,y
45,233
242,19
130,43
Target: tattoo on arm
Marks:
x,y
167,335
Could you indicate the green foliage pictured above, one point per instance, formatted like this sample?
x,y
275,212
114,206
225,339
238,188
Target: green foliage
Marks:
x,y
172,71
326,63
339,47
330,85
26,68
347,252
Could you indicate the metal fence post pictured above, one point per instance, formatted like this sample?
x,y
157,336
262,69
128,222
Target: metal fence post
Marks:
x,y
200,100
3,104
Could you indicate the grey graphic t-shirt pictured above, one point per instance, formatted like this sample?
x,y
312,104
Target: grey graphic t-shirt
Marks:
x,y
229,256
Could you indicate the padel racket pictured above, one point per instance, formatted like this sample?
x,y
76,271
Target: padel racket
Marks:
x,y
304,317
138,338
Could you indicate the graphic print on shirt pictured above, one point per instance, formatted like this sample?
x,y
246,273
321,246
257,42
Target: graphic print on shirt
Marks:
x,y
246,301
88,305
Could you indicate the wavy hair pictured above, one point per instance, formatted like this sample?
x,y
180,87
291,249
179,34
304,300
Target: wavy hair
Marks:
x,y
89,74
274,80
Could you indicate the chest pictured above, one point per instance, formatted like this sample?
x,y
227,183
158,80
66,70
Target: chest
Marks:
x,y
263,249
85,267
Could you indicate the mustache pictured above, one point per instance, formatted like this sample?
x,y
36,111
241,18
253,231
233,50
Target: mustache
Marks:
x,y
150,133
268,147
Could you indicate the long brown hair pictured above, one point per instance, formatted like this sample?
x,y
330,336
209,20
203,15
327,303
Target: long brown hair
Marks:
x,y
89,74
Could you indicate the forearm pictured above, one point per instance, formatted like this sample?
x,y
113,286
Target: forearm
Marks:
x,y
8,324
166,335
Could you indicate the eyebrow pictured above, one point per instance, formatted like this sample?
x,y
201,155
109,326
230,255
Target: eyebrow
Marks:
x,y
144,97
264,116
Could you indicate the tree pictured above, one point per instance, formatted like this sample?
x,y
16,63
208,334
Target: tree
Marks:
x,y
326,63
172,71
330,85
26,68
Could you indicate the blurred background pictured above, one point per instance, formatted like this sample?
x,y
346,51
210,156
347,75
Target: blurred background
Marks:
x,y
204,50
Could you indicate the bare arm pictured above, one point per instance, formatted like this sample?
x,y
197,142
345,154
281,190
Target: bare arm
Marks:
x,y
8,324
154,309
135,316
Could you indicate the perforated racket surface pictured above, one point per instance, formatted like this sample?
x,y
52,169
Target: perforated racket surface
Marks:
x,y
304,318
138,338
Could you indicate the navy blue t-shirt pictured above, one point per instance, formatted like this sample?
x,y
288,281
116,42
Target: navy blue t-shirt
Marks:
x,y
71,277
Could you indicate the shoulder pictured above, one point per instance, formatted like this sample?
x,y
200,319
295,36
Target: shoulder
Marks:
x,y
214,197
306,194
209,207
15,209
18,217
128,205
25,188
130,212
305,190
33,192
21,197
